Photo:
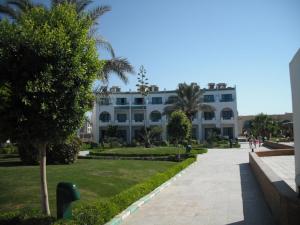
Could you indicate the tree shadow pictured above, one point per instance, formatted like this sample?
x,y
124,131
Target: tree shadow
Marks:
x,y
255,209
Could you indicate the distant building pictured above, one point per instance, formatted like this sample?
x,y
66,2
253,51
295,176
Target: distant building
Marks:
x,y
127,109
244,120
85,132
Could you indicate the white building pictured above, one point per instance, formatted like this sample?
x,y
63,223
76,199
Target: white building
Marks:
x,y
127,110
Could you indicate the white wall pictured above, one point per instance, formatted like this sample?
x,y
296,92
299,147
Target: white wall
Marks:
x,y
295,85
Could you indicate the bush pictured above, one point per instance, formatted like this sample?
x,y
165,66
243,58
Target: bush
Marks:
x,y
29,155
164,143
101,212
25,217
8,149
94,145
65,153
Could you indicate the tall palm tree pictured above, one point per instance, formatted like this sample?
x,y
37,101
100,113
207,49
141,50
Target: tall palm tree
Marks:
x,y
189,100
117,65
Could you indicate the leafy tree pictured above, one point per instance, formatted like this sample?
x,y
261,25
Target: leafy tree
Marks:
x,y
264,125
48,63
189,100
179,127
153,133
117,65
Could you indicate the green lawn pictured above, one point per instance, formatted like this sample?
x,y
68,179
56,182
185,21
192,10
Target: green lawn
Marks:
x,y
19,185
146,151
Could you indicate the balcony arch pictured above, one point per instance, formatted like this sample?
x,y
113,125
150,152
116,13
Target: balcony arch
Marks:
x,y
104,117
227,114
155,116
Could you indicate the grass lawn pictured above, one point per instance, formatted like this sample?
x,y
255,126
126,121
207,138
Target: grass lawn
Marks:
x,y
146,151
19,185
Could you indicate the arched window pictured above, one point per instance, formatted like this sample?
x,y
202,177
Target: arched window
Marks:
x,y
227,114
209,115
155,116
104,117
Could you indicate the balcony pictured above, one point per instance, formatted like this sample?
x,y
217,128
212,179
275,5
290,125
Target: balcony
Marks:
x,y
209,120
155,122
122,122
227,120
138,122
104,123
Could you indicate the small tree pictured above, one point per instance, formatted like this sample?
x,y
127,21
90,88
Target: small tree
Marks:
x,y
179,127
48,61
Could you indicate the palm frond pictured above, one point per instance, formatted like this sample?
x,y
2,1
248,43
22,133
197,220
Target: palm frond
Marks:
x,y
100,41
9,11
97,12
119,66
22,5
82,4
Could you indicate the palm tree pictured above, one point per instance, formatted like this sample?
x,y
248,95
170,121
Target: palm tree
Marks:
x,y
189,100
117,65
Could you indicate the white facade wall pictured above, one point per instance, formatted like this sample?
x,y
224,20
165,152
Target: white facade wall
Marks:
x,y
199,123
295,82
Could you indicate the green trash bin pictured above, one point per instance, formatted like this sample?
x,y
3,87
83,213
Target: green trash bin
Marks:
x,y
66,193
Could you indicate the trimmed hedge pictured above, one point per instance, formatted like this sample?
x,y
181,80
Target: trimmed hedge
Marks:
x,y
194,151
97,213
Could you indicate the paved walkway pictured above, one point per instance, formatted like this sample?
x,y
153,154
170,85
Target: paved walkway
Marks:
x,y
219,189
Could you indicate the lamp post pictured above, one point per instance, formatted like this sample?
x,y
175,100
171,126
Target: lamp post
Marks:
x,y
295,83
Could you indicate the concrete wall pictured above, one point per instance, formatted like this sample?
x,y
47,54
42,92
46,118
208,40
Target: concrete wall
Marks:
x,y
295,84
282,200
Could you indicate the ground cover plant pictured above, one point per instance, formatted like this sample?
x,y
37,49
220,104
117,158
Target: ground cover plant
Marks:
x,y
101,179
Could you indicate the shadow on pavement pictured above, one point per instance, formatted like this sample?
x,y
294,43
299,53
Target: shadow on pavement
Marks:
x,y
256,211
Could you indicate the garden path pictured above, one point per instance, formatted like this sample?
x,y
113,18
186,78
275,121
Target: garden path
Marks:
x,y
219,189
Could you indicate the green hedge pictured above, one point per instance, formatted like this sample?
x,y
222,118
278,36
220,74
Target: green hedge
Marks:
x,y
194,151
97,213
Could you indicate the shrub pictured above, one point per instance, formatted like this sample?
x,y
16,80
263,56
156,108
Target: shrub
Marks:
x,y
29,155
25,217
164,143
64,153
8,149
94,145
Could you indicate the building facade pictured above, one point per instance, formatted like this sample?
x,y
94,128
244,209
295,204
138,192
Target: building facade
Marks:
x,y
130,111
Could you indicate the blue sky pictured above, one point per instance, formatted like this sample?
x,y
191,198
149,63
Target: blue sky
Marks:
x,y
244,43
247,43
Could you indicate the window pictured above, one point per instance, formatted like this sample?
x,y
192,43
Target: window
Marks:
x,y
155,116
139,101
103,101
121,101
139,117
227,114
228,132
104,117
209,115
157,100
226,98
209,98
121,117
172,100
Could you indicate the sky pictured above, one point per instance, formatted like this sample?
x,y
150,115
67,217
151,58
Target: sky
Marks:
x,y
247,43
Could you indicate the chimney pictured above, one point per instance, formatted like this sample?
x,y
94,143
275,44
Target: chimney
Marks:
x,y
154,88
211,85
115,89
221,85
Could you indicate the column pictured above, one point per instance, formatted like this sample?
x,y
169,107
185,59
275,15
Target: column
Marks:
x,y
295,84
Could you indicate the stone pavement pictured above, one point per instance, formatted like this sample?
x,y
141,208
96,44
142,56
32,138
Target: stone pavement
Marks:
x,y
219,189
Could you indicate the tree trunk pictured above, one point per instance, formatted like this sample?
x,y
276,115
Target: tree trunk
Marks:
x,y
43,180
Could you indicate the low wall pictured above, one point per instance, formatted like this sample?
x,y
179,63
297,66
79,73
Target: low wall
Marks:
x,y
275,145
281,198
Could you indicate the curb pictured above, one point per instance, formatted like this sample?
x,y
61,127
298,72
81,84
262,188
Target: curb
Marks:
x,y
139,203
